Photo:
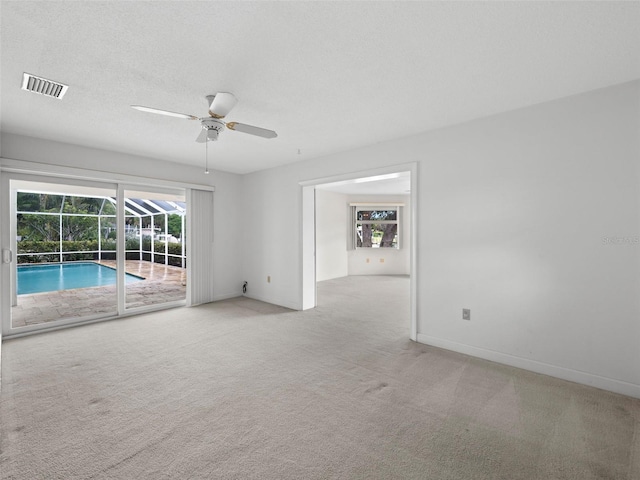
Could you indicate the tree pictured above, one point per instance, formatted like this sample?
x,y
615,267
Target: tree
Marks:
x,y
79,228
47,227
175,225
385,232
44,228
388,234
38,202
365,238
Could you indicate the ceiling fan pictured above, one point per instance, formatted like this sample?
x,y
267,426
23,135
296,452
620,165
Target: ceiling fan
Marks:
x,y
220,105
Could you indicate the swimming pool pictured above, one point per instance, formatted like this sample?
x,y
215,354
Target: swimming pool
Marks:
x,y
66,276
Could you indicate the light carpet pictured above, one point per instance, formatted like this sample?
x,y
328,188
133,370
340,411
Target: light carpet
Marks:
x,y
240,389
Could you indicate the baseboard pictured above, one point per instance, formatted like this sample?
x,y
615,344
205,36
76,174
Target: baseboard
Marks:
x,y
272,301
225,296
597,381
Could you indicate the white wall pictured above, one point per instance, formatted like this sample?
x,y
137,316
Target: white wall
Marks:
x,y
512,213
332,222
272,242
104,164
228,227
383,261
331,235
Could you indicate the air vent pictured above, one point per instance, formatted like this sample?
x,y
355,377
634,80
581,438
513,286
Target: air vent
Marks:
x,y
45,87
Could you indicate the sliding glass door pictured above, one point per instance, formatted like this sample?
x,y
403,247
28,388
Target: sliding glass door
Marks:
x,y
80,251
60,232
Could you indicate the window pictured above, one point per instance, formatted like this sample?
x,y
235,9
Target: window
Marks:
x,y
376,226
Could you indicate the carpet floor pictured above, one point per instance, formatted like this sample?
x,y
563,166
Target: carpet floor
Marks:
x,y
240,389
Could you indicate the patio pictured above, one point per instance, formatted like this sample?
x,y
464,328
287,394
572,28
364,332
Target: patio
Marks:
x,y
163,283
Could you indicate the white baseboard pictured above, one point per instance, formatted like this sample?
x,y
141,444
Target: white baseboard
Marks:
x,y
273,301
225,296
597,381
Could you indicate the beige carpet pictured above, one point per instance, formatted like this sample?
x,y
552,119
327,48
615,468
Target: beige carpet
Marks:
x,y
244,390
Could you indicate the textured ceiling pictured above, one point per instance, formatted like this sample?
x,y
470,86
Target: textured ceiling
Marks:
x,y
327,76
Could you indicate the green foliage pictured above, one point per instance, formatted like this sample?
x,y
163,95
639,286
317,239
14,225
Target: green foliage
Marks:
x,y
29,246
41,233
174,222
132,243
39,227
38,202
28,202
39,259
109,208
108,244
82,205
158,247
74,227
172,248
79,228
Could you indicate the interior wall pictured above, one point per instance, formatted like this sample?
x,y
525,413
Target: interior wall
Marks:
x,y
530,218
101,164
228,228
383,261
272,246
331,235
334,260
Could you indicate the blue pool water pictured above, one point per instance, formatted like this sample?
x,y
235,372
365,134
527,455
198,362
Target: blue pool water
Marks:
x,y
66,276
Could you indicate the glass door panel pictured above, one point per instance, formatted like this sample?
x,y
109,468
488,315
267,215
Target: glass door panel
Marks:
x,y
61,235
155,247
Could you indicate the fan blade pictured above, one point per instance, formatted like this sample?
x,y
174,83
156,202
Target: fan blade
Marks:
x,y
202,138
164,112
251,130
222,104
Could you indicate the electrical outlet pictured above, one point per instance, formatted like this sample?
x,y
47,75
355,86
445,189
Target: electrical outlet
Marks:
x,y
268,278
466,314
382,260
368,260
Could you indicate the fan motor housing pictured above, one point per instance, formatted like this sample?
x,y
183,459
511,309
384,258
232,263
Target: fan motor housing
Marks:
x,y
213,127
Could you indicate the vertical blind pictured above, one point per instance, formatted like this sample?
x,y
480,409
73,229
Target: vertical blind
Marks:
x,y
200,242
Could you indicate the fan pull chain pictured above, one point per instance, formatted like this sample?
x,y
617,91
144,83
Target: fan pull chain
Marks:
x,y
206,156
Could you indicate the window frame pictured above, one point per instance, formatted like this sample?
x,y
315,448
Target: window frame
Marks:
x,y
354,222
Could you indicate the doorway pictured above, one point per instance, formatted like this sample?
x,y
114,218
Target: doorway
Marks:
x,y
337,211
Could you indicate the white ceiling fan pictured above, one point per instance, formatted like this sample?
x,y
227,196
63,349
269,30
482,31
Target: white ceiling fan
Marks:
x,y
220,105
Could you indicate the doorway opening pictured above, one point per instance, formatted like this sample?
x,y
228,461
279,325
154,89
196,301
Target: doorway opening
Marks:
x,y
358,227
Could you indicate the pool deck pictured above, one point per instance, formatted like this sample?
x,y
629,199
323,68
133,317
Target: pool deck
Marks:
x,y
163,283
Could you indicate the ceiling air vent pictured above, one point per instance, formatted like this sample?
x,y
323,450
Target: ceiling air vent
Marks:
x,y
43,86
